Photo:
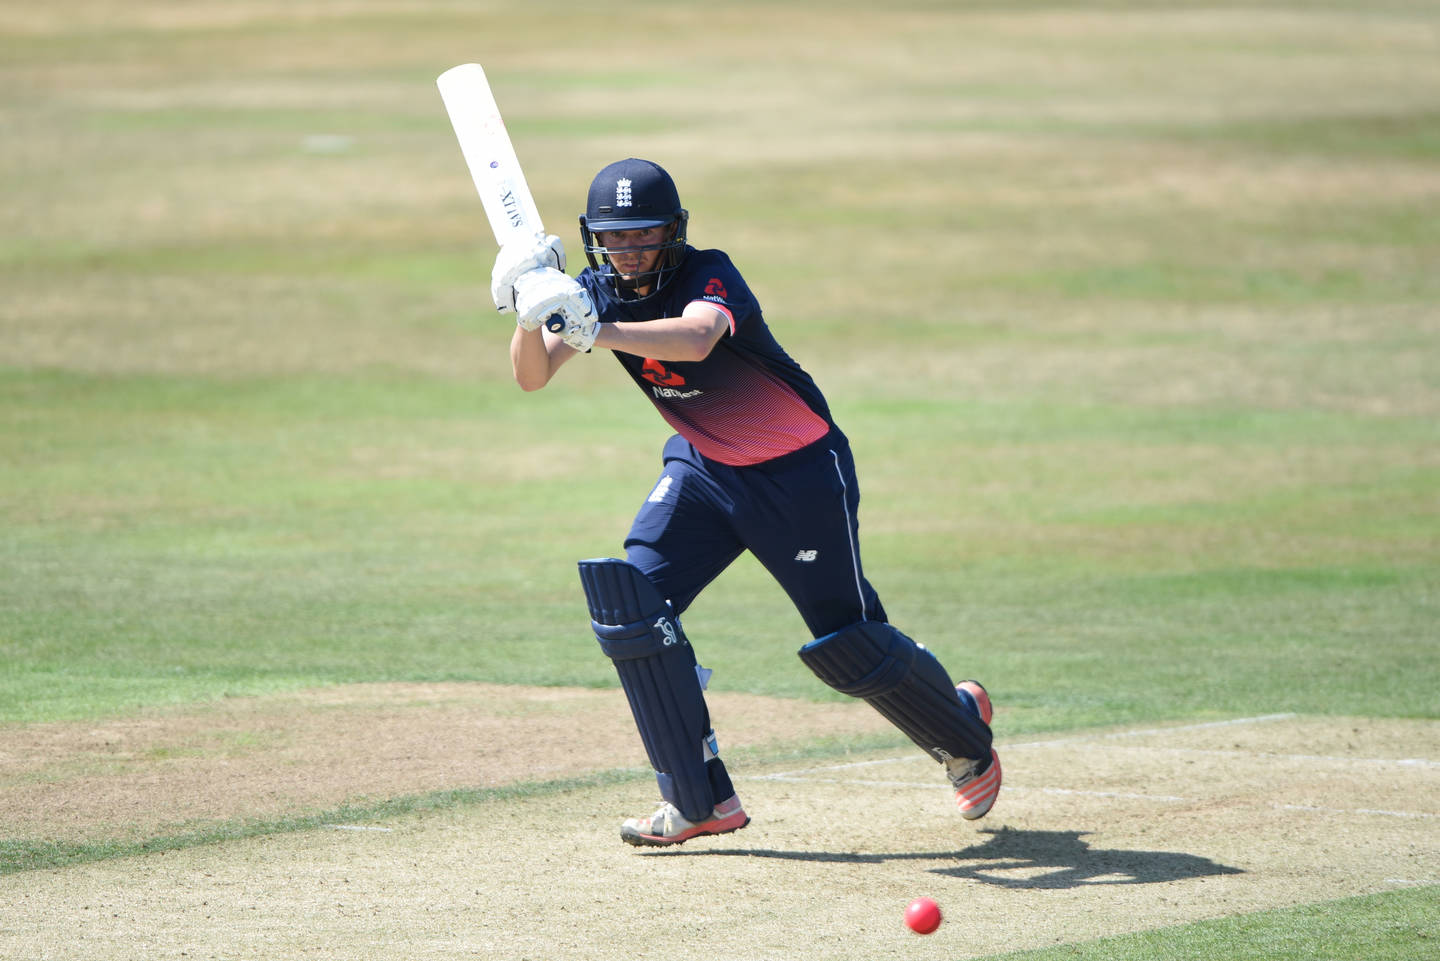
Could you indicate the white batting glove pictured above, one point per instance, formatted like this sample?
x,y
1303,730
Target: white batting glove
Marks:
x,y
520,257
577,331
550,298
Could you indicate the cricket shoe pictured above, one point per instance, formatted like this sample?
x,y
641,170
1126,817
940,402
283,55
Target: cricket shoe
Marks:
x,y
976,784
668,826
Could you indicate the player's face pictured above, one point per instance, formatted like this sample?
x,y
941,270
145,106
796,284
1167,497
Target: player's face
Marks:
x,y
627,249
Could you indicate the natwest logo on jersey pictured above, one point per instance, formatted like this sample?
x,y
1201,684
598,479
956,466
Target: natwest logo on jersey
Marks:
x,y
667,382
657,373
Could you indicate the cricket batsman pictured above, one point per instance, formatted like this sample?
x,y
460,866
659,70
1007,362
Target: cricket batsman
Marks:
x,y
756,464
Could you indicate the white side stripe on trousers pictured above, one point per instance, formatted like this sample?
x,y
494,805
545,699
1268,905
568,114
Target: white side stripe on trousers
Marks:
x,y
850,533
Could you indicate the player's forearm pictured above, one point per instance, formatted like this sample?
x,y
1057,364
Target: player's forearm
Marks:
x,y
669,338
533,359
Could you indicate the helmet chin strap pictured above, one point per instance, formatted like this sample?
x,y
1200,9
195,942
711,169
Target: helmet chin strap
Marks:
x,y
633,285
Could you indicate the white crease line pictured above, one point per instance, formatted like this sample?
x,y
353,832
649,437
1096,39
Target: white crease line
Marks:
x,y
801,779
1081,738
1109,794
355,827
812,774
1376,811
1411,762
1113,795
934,786
1010,746
1420,881
1308,808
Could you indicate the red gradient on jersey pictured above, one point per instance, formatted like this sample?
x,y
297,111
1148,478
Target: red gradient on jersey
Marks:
x,y
743,415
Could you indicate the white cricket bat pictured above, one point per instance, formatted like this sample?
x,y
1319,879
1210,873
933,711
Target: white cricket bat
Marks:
x,y
488,153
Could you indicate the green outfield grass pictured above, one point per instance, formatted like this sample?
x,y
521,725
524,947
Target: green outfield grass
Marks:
x,y
1395,927
1131,309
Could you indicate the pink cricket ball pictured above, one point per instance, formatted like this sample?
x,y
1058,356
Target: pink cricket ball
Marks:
x,y
923,915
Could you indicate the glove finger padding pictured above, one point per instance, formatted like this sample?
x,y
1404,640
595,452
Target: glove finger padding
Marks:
x,y
518,258
558,302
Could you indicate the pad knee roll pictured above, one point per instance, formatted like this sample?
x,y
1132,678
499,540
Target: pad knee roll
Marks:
x,y
638,630
904,682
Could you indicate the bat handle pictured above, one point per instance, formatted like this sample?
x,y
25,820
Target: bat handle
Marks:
x,y
555,323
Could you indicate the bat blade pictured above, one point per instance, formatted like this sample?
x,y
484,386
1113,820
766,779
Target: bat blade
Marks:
x,y
488,152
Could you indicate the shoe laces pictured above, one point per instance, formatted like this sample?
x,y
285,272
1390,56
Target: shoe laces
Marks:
x,y
667,819
962,770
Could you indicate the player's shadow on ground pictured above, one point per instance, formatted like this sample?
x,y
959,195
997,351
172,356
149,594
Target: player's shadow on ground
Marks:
x,y
1032,860
1060,859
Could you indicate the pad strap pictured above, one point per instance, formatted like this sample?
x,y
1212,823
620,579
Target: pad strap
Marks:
x,y
629,617
904,682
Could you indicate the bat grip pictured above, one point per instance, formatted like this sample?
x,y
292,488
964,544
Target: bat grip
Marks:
x,y
555,323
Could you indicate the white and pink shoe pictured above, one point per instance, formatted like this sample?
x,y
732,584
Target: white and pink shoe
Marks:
x,y
668,826
976,782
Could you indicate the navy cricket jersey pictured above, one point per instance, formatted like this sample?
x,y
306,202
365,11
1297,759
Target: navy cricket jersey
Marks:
x,y
748,401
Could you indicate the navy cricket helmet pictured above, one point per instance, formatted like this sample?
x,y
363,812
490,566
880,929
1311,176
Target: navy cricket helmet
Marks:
x,y
634,194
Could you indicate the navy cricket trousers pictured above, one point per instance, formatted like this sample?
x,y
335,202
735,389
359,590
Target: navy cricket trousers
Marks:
x,y
796,514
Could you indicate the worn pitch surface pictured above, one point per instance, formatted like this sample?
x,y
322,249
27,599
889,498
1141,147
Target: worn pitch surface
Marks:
x,y
1095,834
